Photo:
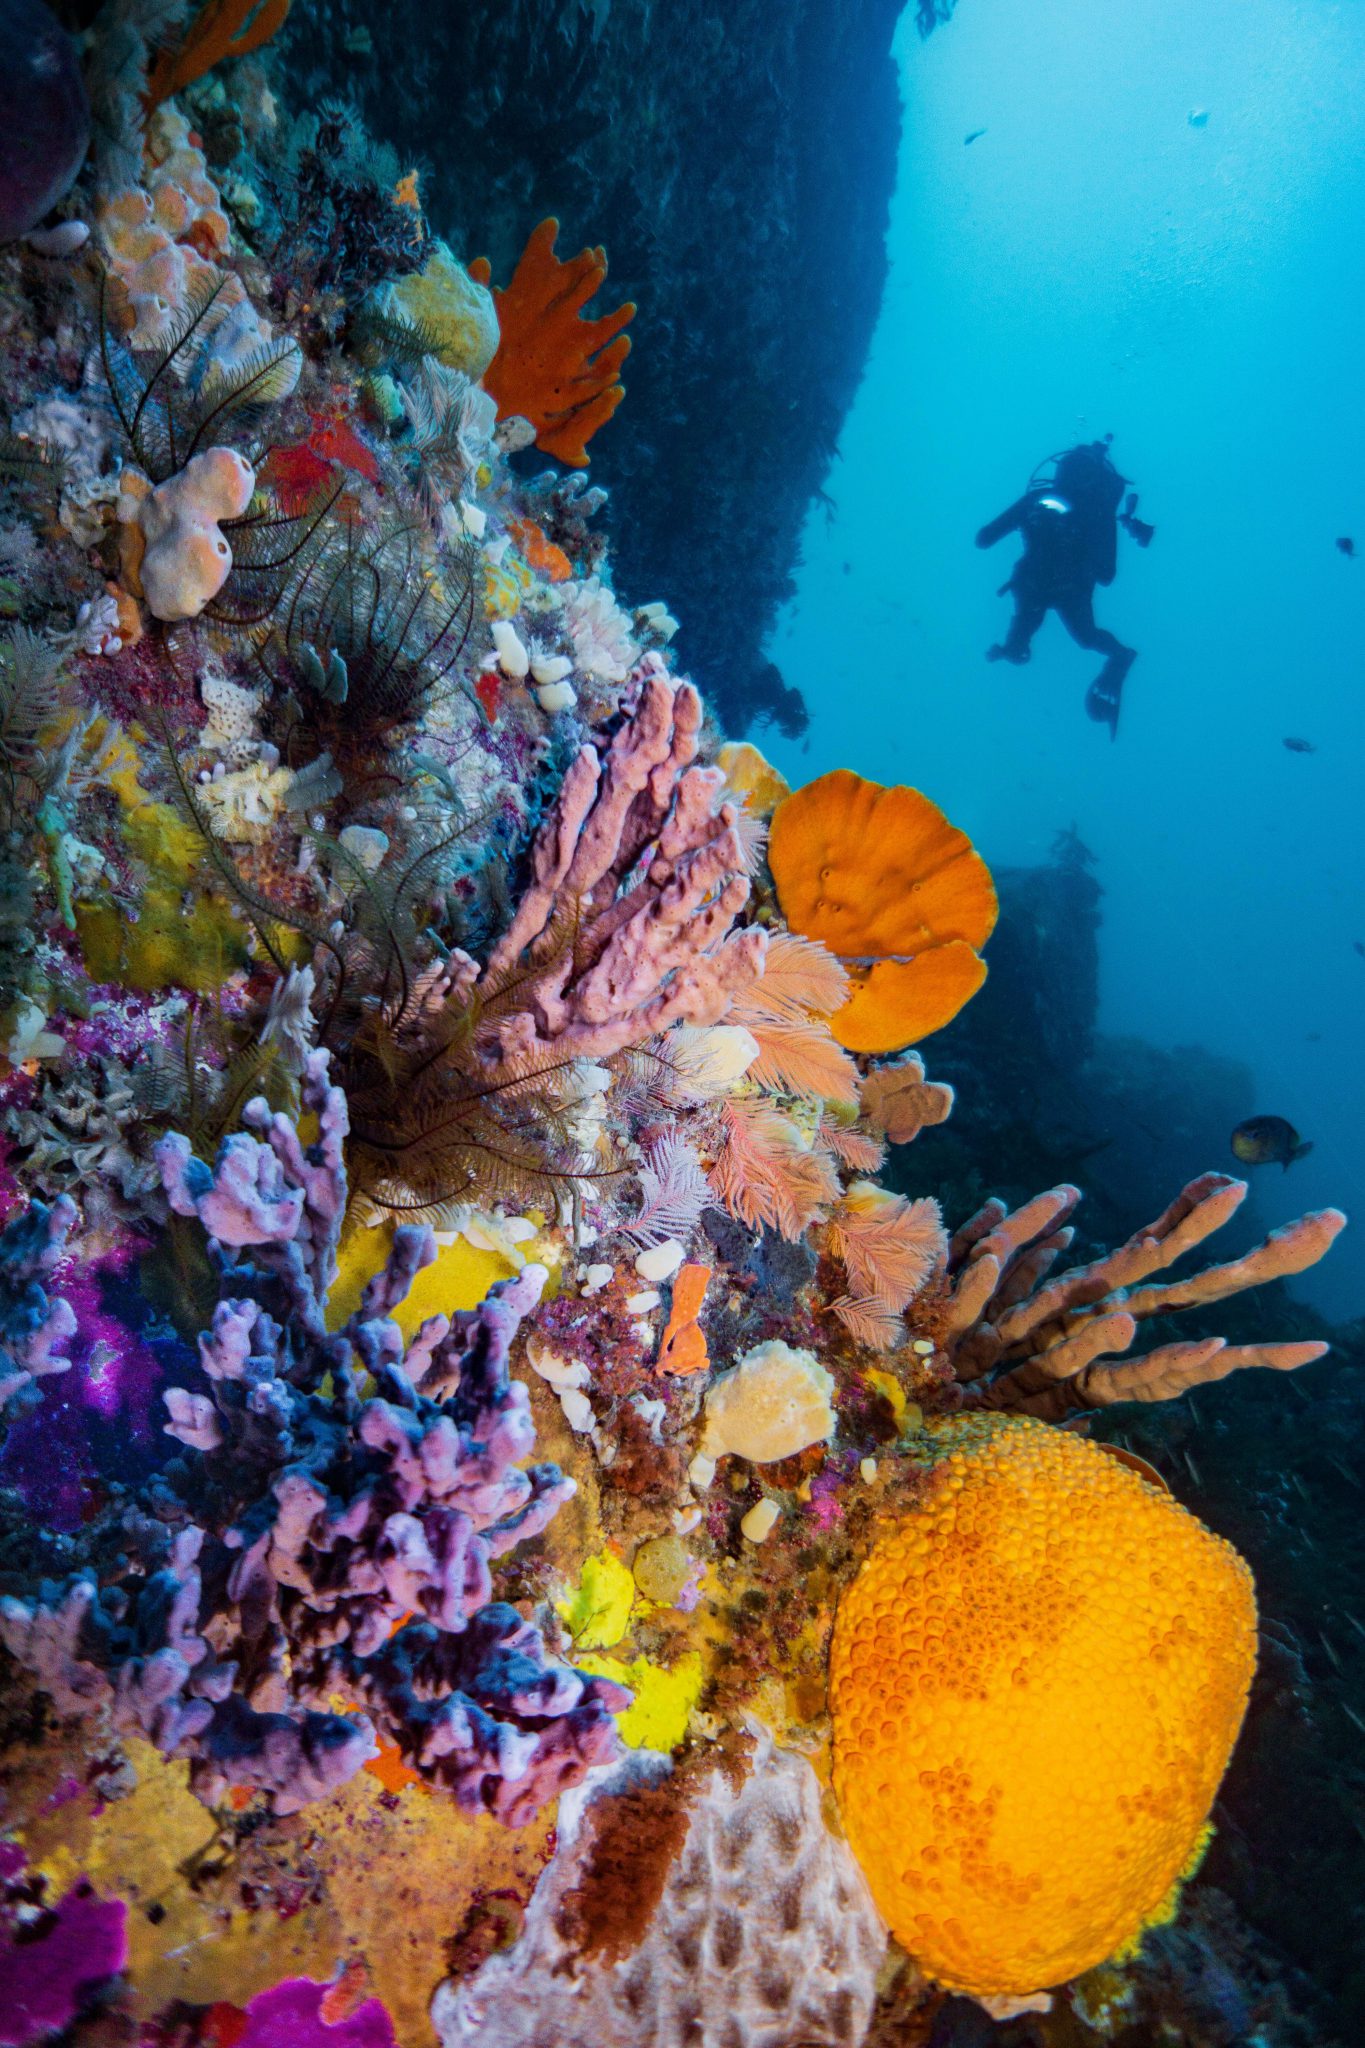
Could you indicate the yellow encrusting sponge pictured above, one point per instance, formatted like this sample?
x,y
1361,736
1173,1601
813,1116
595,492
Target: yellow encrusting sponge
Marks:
x,y
1036,1682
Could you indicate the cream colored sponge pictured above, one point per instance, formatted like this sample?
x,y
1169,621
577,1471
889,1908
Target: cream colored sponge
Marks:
x,y
187,557
774,1403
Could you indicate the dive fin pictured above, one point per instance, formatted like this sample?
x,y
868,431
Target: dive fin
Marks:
x,y
1102,698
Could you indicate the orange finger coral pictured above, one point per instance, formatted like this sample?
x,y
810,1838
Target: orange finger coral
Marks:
x,y
553,367
1051,1348
1036,1683
221,29
902,897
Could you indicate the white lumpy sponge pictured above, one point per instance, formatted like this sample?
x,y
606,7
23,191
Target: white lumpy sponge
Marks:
x,y
774,1403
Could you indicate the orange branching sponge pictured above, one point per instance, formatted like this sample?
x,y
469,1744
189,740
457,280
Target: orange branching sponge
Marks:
x,y
1036,1681
683,1349
221,29
553,367
1052,1348
406,194
897,893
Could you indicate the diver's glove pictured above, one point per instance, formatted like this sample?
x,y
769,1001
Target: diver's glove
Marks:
x,y
1138,529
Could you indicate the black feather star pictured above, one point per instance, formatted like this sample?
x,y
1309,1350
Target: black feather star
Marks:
x,y
362,628
176,397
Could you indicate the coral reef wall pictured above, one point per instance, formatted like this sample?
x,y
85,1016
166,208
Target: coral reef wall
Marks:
x,y
737,160
426,1046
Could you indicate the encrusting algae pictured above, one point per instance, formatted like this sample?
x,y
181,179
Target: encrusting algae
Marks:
x,y
510,1532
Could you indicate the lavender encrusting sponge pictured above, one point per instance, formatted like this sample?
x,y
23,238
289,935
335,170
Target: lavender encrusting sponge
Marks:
x,y
333,1530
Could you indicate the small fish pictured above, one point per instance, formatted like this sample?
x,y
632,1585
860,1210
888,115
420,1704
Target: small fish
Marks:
x,y
1300,746
1268,1141
975,136
1198,117
1359,947
1346,546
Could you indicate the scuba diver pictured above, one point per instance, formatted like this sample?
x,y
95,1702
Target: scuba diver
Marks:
x,y
1069,526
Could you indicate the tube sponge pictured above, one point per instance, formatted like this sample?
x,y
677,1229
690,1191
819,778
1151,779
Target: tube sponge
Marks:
x,y
187,558
1036,1683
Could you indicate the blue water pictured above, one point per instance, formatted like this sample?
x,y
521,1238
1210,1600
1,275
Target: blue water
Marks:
x,y
1094,263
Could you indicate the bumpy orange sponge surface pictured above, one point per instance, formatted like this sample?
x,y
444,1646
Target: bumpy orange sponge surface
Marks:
x,y
1036,1683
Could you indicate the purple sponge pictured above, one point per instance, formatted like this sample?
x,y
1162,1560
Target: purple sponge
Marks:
x,y
44,115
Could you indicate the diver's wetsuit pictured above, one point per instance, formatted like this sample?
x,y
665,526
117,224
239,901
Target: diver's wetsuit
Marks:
x,y
1070,534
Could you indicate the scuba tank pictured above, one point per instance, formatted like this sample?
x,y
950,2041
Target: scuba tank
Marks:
x,y
1085,480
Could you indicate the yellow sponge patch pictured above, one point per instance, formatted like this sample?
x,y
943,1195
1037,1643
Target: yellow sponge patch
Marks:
x,y
460,1276
180,937
658,1715
597,1612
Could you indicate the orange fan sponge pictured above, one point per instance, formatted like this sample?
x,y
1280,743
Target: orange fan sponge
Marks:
x,y
882,879
553,367
1036,1681
899,1002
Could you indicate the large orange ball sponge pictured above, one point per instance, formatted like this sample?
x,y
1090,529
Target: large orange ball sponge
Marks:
x,y
1036,1683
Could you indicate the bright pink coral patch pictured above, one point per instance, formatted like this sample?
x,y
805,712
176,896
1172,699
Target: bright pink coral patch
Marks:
x,y
47,1975
298,2014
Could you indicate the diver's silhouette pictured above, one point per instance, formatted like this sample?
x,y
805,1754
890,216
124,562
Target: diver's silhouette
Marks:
x,y
1069,527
